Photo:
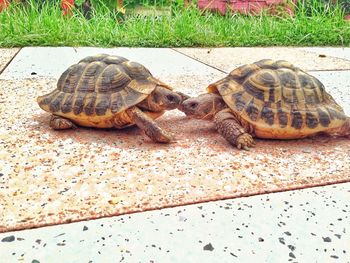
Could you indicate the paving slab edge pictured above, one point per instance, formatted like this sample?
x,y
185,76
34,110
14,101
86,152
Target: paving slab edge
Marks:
x,y
10,61
199,61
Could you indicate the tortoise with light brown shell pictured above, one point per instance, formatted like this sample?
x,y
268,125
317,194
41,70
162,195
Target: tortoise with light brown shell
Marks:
x,y
269,99
106,91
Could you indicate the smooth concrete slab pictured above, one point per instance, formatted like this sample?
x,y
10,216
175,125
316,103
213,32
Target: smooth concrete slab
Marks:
x,y
310,225
34,62
337,52
227,59
6,54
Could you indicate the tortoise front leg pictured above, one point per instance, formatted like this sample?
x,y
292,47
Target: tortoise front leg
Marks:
x,y
148,125
231,129
60,123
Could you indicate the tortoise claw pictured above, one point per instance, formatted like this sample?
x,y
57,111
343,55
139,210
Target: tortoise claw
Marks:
x,y
245,141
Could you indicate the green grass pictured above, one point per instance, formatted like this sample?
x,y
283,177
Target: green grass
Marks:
x,y
26,26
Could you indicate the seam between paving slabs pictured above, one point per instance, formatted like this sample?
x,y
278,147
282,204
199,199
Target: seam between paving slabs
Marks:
x,y
320,70
8,63
213,67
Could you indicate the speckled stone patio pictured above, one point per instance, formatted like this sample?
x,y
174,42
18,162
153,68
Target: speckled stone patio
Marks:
x,y
51,177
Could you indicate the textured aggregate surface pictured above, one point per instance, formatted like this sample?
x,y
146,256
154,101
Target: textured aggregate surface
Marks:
x,y
310,225
51,177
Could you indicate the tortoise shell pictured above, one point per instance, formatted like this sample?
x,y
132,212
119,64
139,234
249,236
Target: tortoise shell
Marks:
x,y
99,88
279,100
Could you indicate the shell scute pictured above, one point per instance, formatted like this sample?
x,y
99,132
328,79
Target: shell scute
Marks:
x,y
267,114
90,101
311,120
239,101
117,102
114,60
250,87
67,103
297,119
113,79
89,59
78,105
324,118
252,110
103,102
335,114
89,75
281,115
136,70
288,79
55,104
70,78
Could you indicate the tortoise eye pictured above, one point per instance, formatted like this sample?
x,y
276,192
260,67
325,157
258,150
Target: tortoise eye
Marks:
x,y
170,98
193,105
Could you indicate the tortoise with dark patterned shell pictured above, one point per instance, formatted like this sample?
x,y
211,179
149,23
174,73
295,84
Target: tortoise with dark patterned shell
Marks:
x,y
106,91
268,99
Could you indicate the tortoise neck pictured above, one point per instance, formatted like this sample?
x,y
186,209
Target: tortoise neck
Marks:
x,y
218,104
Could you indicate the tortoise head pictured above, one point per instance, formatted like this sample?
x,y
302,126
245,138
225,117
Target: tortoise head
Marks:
x,y
204,106
164,99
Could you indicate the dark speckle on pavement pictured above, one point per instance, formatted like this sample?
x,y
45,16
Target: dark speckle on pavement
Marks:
x,y
8,239
208,247
327,239
281,239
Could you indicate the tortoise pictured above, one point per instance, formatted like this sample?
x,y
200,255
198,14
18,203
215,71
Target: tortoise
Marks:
x,y
268,99
105,91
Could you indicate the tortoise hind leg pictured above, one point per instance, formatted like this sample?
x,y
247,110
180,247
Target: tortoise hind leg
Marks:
x,y
60,123
149,126
231,129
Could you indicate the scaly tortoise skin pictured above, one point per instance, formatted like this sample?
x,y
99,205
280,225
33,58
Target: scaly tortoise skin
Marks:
x,y
105,91
269,99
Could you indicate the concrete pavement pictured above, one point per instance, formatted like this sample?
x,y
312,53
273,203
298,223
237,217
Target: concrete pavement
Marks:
x,y
309,225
